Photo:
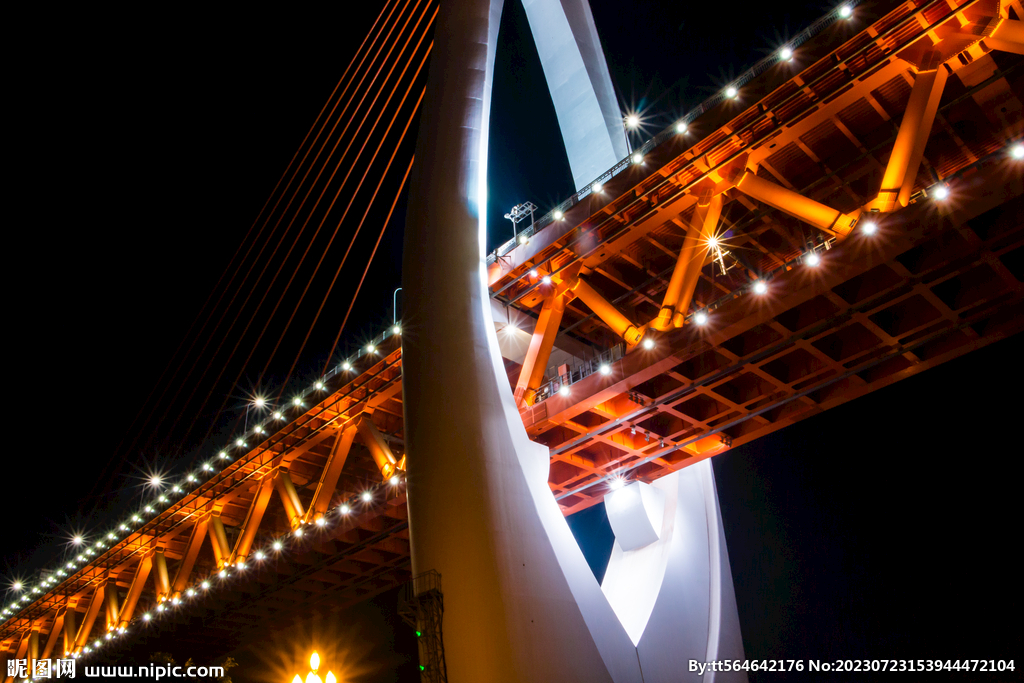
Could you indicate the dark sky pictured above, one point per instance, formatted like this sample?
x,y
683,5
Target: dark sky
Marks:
x,y
139,158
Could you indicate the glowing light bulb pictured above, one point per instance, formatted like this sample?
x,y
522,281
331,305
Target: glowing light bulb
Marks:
x,y
319,386
205,585
681,127
701,318
616,483
314,661
605,369
637,158
648,344
259,555
370,348
297,679
596,188
277,416
17,586
785,54
259,402
320,521
394,481
154,480
397,329
77,540
523,239
344,509
297,401
760,287
546,279
731,92
940,192
223,574
298,533
239,442
563,391
346,366
632,120
712,242
812,259
206,467
147,616
557,215
313,678
1017,151
367,496
845,11
278,545
330,678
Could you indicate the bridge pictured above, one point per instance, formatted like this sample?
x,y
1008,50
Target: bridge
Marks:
x,y
806,238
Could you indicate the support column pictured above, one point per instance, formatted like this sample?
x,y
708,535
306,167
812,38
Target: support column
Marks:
x,y
163,583
332,472
806,209
55,633
688,265
253,519
90,617
33,646
378,447
908,150
195,543
70,631
113,610
219,539
607,312
290,499
1008,37
135,590
543,340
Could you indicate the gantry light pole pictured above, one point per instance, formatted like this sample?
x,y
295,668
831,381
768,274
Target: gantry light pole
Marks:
x,y
519,213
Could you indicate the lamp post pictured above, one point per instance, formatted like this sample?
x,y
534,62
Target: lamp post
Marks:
x,y
312,677
519,213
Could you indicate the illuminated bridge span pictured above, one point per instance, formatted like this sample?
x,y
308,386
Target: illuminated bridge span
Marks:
x,y
815,236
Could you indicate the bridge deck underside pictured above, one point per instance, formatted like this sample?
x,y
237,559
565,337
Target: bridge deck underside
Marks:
x,y
936,281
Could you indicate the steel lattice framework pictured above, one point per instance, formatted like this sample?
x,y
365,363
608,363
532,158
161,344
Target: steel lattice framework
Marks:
x,y
651,281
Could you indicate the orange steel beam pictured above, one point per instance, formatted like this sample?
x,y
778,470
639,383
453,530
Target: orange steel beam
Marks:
x,y
90,617
1008,37
70,631
135,590
33,646
795,204
374,442
113,609
332,471
290,498
607,312
163,584
55,632
535,363
219,539
908,150
20,654
688,265
195,543
252,520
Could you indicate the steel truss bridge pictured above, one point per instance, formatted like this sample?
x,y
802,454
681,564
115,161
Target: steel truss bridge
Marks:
x,y
822,232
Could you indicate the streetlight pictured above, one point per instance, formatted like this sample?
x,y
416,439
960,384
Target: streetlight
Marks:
x,y
312,677
519,213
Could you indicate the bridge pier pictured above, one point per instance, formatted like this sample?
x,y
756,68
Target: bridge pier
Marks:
x,y
521,603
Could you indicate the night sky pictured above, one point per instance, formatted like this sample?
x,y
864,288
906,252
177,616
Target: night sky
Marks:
x,y
138,159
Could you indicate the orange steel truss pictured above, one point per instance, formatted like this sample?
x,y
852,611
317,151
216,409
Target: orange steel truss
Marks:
x,y
654,275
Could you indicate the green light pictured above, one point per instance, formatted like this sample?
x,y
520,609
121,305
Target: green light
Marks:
x,y
422,668
418,634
